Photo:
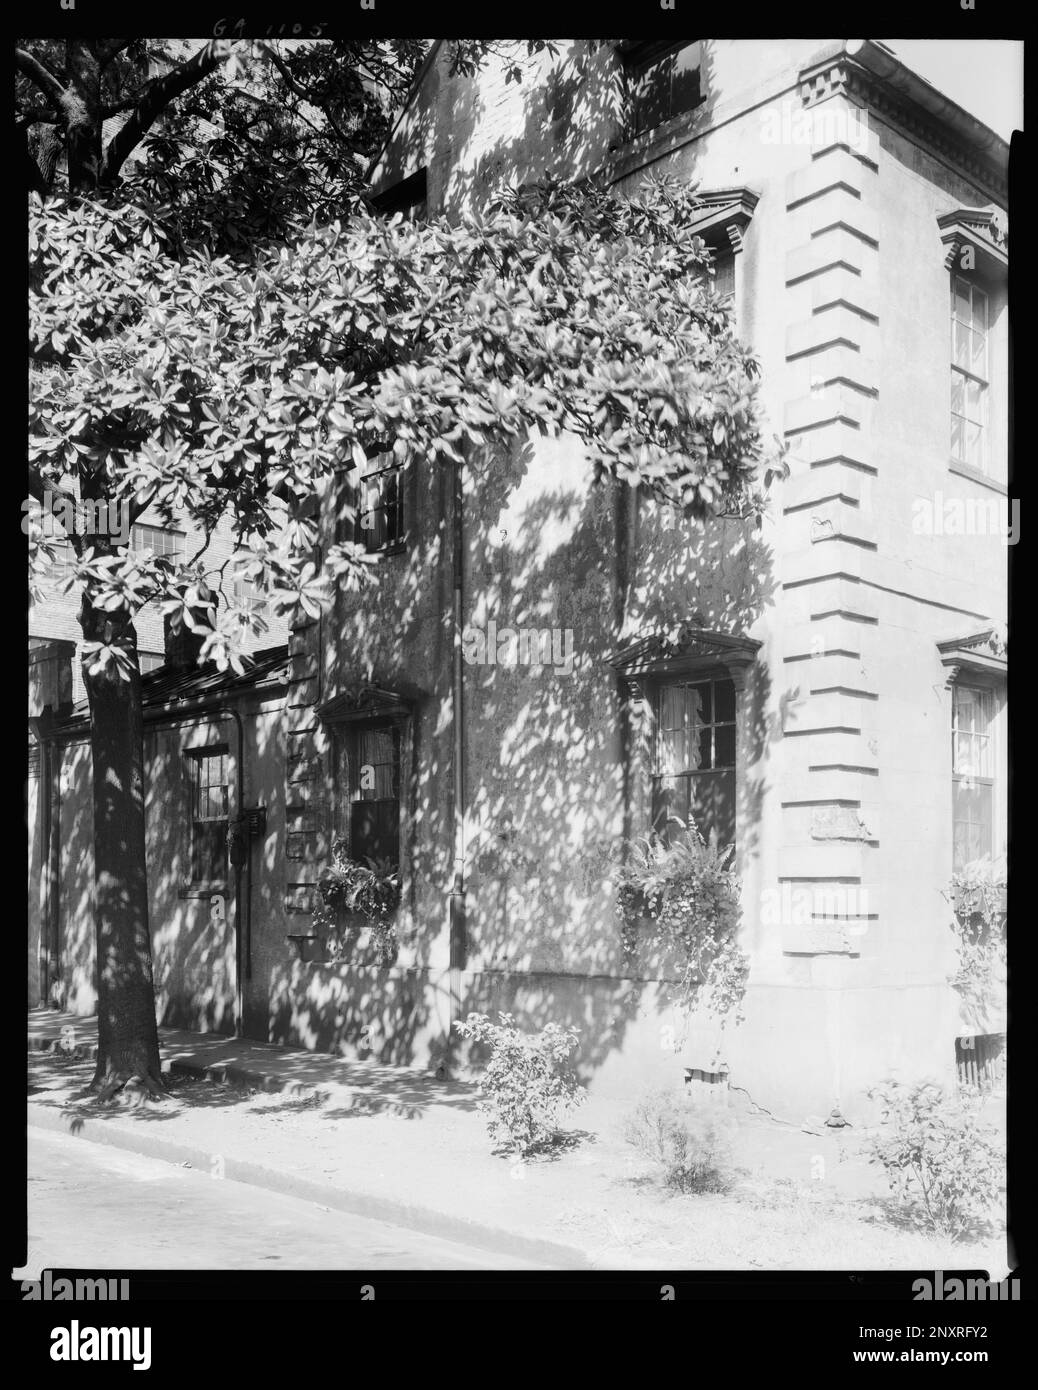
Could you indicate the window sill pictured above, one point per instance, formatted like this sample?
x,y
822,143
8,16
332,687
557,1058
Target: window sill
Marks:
x,y
963,470
202,890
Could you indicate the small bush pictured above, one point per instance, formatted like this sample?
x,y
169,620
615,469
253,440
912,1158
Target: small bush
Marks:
x,y
944,1167
690,1144
528,1082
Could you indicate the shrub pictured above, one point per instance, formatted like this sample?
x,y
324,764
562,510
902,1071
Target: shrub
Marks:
x,y
528,1082
372,890
944,1167
690,1144
691,897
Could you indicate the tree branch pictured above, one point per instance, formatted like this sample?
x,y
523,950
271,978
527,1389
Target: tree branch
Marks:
x,y
294,86
43,77
113,108
107,49
157,96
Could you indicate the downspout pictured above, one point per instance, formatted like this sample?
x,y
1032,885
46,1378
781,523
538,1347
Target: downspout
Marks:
x,y
458,943
242,900
50,791
53,846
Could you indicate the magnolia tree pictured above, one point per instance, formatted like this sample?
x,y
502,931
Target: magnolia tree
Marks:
x,y
190,386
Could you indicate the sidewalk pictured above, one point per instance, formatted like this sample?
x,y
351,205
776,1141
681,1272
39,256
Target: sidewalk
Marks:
x,y
265,1066
392,1177
400,1146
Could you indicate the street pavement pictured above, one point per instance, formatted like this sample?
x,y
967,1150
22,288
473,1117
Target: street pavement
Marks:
x,y
96,1207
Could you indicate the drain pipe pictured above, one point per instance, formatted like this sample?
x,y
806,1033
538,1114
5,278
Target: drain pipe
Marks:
x,y
458,941
161,715
48,953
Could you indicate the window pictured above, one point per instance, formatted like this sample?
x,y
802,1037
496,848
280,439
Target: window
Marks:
x,y
150,661
694,776
158,540
973,773
722,282
368,791
409,196
248,596
969,374
380,508
209,805
663,79
724,274
64,562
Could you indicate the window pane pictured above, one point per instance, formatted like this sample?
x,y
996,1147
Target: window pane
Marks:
x,y
974,445
666,86
961,344
712,805
958,392
670,798
672,747
979,354
368,792
652,95
374,830
209,851
724,695
980,311
724,275
703,746
724,746
974,400
961,300
972,822
958,445
685,79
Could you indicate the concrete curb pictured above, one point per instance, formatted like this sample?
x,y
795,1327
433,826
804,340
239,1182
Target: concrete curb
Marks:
x,y
393,1211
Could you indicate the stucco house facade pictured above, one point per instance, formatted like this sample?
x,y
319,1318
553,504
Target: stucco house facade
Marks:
x,y
545,665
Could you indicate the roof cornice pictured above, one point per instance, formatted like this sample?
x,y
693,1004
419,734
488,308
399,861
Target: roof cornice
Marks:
x,y
868,70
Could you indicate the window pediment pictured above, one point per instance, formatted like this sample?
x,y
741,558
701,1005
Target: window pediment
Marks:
x,y
684,652
725,213
985,231
979,654
365,701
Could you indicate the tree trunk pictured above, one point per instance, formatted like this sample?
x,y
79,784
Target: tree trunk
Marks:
x,y
127,1036
82,108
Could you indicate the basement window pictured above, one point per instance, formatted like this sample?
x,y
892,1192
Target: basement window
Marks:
x,y
410,196
980,1061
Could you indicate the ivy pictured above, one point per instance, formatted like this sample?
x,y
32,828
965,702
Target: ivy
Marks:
x,y
683,891
371,890
979,923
